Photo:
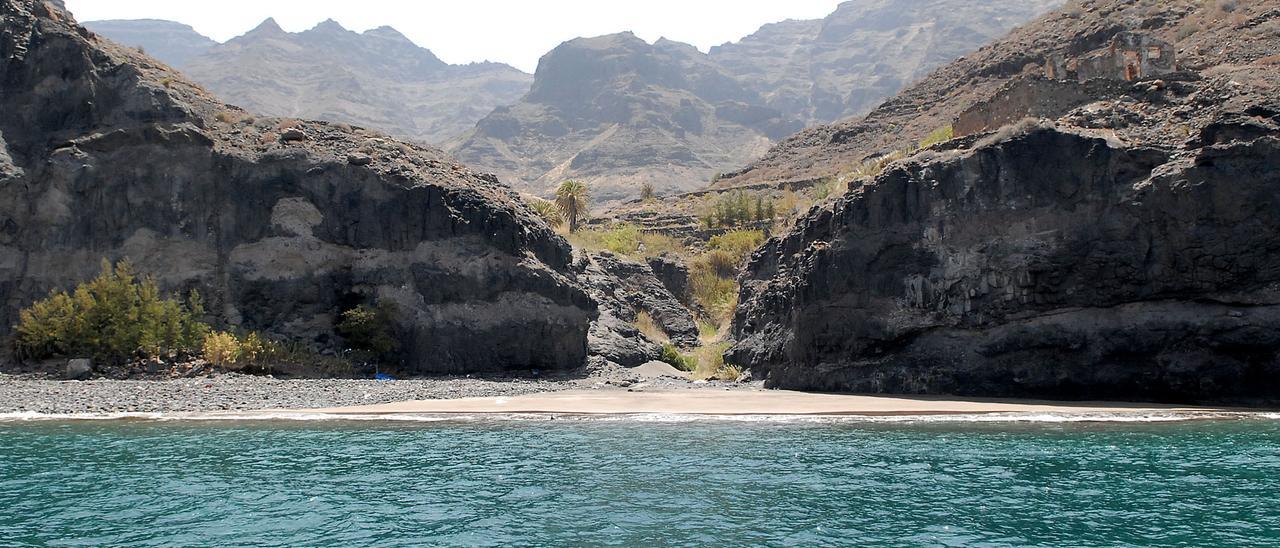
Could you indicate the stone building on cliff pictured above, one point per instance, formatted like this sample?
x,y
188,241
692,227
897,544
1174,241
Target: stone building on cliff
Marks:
x,y
1131,56
1070,82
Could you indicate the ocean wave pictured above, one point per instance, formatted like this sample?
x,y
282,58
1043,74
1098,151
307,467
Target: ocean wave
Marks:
x,y
291,416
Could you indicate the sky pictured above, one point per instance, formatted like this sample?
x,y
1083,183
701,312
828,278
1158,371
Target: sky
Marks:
x,y
516,32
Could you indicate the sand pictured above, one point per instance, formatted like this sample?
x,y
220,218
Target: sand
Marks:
x,y
721,402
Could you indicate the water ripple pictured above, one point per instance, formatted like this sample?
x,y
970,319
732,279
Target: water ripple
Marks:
x,y
481,482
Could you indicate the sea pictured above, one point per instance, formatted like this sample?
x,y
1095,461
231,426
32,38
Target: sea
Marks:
x,y
653,480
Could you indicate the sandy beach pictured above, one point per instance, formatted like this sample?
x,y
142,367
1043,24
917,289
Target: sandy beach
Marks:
x,y
757,402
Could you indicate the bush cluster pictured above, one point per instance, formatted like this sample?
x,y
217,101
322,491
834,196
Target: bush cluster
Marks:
x,y
116,316
738,208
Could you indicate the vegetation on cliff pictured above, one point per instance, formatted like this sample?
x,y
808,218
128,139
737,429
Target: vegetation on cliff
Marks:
x,y
116,316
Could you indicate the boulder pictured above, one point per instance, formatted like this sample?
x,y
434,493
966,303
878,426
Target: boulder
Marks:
x,y
292,135
674,275
79,369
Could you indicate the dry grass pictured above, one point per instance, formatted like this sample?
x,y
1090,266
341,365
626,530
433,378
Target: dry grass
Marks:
x,y
627,240
650,329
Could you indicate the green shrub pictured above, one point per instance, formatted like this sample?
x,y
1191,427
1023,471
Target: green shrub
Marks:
x,y
626,239
712,286
737,208
672,355
739,244
548,210
115,316
940,135
370,329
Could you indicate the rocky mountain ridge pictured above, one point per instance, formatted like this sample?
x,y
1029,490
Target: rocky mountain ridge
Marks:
x,y
378,78
619,122
171,42
823,70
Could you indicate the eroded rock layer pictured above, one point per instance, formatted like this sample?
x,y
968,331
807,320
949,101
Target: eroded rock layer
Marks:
x,y
1044,263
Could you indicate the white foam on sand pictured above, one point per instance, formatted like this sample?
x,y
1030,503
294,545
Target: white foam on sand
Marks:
x,y
673,418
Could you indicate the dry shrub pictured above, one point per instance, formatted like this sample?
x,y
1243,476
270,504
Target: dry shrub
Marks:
x,y
222,349
650,329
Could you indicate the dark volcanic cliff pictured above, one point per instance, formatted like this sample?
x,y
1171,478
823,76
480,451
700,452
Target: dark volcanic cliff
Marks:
x,y
1126,250
282,224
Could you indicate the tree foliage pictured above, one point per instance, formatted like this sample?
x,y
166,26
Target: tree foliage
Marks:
x,y
370,329
573,198
115,316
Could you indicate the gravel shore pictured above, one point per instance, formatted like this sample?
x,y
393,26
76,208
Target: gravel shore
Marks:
x,y
233,392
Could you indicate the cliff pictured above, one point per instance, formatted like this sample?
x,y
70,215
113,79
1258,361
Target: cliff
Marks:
x,y
1124,250
282,224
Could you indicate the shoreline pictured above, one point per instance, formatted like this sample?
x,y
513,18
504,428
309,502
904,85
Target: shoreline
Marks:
x,y
776,403
239,397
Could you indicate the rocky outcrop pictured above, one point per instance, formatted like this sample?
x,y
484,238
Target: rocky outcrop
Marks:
x,y
624,289
1043,262
376,79
107,154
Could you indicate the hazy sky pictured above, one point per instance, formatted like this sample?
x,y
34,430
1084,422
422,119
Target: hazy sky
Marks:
x,y
459,31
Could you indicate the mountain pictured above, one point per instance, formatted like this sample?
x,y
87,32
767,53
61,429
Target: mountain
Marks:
x,y
1102,226
378,79
618,112
174,43
820,71
282,224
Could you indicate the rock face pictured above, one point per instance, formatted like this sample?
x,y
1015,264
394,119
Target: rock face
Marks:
x,y
820,71
174,43
624,289
1125,251
616,112
376,79
104,153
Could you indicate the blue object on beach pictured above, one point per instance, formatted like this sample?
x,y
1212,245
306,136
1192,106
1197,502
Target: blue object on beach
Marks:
x,y
383,377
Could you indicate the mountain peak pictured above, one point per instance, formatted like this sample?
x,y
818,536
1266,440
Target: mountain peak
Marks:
x,y
390,34
329,25
268,26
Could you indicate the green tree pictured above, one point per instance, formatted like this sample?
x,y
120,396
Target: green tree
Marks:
x,y
370,329
573,199
116,316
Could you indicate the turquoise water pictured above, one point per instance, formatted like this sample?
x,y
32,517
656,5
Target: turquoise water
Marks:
x,y
634,483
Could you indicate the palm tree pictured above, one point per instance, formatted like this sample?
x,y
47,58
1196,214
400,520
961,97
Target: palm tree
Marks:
x,y
572,198
548,211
